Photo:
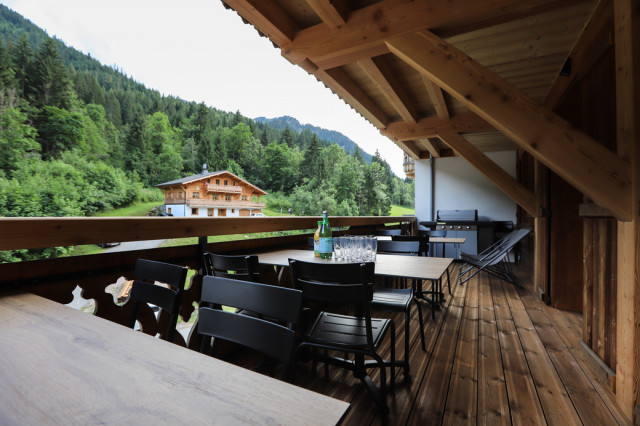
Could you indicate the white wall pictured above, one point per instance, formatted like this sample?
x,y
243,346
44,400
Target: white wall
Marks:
x,y
460,186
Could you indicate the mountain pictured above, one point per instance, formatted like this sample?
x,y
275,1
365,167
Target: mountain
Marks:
x,y
333,136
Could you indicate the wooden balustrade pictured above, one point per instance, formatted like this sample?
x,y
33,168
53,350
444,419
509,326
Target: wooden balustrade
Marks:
x,y
56,279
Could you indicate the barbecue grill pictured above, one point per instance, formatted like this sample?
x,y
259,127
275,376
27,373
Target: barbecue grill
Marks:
x,y
458,224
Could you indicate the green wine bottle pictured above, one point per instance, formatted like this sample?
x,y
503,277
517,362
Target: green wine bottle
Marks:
x,y
326,241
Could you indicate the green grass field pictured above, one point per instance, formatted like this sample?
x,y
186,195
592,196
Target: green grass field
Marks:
x,y
137,209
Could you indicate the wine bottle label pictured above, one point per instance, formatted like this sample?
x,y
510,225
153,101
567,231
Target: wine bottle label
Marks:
x,y
326,245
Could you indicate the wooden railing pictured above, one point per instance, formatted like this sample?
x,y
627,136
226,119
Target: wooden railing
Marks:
x,y
223,188
56,279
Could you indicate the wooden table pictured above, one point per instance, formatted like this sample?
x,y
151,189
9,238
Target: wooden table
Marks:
x,y
62,366
418,267
456,241
387,265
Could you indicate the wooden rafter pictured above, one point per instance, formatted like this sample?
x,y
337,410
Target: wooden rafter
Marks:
x,y
332,12
431,147
268,18
592,42
510,185
381,74
429,127
584,163
341,84
364,34
411,149
437,98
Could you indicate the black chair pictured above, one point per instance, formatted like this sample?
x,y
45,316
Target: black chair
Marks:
x,y
422,239
387,232
434,233
399,299
144,291
346,285
236,267
270,338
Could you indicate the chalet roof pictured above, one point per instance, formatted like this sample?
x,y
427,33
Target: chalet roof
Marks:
x,y
206,175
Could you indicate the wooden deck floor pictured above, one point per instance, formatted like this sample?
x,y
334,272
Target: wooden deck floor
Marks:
x,y
495,355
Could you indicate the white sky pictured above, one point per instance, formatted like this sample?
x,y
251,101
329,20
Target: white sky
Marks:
x,y
199,51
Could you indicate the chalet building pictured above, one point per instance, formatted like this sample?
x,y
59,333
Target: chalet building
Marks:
x,y
218,193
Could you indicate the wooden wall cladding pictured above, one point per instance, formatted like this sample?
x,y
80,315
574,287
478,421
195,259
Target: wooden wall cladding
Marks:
x,y
599,296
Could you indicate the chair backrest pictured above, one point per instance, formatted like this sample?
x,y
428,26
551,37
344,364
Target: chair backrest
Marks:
x,y
268,337
399,247
144,290
339,284
423,241
387,232
234,267
435,233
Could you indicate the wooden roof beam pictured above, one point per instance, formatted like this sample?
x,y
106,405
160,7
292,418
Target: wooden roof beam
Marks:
x,y
584,163
410,148
437,98
429,127
390,86
332,12
364,34
510,185
431,147
268,18
591,44
341,84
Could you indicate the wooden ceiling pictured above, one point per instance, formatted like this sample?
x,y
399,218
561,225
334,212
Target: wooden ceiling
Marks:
x,y
342,43
464,77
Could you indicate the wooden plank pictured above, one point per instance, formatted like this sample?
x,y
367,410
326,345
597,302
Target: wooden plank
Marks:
x,y
583,162
37,232
431,147
588,401
382,75
588,279
507,183
556,404
430,126
437,98
364,34
430,400
463,389
493,405
541,224
521,390
594,39
627,57
332,12
268,18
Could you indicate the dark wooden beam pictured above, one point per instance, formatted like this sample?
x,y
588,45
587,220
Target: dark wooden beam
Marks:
x,y
429,127
267,17
334,13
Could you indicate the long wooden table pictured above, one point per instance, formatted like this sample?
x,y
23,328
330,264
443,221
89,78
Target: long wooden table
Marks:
x,y
62,366
417,267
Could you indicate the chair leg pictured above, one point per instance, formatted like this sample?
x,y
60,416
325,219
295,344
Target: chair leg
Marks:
x,y
407,336
421,324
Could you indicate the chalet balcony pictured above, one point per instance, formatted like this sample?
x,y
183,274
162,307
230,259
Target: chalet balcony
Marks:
x,y
409,166
494,352
201,202
224,188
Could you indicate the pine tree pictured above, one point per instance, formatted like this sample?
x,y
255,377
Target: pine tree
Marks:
x,y
51,83
287,137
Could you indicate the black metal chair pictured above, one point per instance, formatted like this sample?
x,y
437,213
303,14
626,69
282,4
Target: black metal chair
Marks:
x,y
350,285
235,267
388,299
272,339
434,233
144,291
422,239
387,232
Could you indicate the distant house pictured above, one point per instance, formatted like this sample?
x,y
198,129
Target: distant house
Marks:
x,y
212,194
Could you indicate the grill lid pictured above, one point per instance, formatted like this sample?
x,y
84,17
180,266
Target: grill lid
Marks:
x,y
457,216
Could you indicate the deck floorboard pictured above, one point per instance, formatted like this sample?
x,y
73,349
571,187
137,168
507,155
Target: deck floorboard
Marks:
x,y
495,354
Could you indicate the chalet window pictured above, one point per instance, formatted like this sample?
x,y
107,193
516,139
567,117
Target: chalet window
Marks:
x,y
217,181
209,212
214,197
208,180
196,195
226,182
233,210
194,212
244,198
169,210
227,197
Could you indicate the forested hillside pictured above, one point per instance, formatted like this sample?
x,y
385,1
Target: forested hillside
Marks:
x,y
78,137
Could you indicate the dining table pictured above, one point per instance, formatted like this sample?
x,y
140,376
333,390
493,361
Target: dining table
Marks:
x,y
386,265
59,365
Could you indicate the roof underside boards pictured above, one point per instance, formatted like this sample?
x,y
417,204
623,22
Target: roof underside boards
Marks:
x,y
351,47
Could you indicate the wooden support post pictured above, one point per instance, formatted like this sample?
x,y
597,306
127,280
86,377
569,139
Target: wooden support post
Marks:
x,y
627,52
541,253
